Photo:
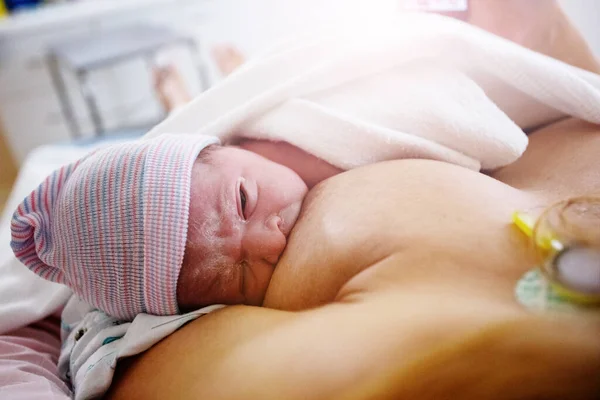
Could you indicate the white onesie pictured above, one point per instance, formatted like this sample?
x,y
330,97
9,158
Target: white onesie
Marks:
x,y
93,343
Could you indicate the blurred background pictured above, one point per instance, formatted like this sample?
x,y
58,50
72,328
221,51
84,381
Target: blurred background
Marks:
x,y
79,70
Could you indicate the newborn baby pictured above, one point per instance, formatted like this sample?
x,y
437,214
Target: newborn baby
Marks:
x,y
242,208
162,226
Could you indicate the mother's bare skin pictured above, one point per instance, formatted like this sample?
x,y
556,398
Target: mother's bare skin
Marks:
x,y
539,25
389,262
379,290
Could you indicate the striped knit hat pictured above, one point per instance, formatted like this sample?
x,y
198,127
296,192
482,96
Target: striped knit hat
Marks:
x,y
113,225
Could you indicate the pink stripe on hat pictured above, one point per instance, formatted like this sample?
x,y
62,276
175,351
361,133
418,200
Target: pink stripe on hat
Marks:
x,y
113,226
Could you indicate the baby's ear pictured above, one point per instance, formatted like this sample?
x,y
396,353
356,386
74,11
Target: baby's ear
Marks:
x,y
532,358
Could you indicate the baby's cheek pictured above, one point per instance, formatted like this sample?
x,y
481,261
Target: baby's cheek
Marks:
x,y
189,286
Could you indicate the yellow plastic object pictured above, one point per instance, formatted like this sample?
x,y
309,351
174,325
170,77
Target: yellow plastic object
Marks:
x,y
3,10
550,248
574,296
526,224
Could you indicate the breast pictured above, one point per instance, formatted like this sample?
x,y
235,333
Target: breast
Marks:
x,y
358,218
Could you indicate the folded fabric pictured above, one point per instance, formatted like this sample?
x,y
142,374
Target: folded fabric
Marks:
x,y
415,86
94,342
28,363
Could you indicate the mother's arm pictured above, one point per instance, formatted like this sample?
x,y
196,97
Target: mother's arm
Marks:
x,y
257,353
390,345
243,352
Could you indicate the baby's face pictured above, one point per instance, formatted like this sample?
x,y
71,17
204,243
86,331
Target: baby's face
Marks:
x,y
242,208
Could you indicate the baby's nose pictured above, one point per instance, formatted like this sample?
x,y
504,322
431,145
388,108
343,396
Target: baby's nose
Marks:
x,y
265,241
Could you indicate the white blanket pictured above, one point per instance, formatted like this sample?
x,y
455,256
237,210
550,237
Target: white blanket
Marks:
x,y
415,86
419,86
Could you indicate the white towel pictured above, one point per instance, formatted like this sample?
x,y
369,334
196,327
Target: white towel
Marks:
x,y
414,86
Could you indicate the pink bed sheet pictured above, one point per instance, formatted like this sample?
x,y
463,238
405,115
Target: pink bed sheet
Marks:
x,y
28,358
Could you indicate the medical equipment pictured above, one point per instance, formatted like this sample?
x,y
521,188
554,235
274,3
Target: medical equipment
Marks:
x,y
571,267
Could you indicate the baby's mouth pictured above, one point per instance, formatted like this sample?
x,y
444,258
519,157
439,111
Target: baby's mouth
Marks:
x,y
289,215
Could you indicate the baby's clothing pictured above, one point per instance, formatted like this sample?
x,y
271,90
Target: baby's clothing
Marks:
x,y
93,342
